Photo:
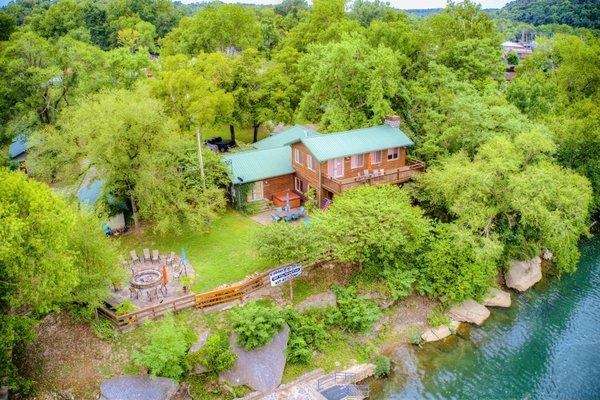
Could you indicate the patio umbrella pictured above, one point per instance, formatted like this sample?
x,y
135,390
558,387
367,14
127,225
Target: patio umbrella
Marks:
x,y
287,201
184,260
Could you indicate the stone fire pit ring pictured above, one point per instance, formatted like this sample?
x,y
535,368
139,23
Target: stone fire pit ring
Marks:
x,y
146,279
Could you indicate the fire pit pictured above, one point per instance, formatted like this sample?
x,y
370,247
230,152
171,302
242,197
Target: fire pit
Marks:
x,y
146,279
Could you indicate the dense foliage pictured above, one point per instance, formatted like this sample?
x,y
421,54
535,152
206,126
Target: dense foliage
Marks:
x,y
256,324
352,312
578,13
168,343
307,334
50,256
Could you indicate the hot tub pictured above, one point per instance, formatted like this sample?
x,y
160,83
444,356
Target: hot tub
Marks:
x,y
279,199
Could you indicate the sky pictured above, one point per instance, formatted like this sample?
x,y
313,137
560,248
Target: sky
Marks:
x,y
402,4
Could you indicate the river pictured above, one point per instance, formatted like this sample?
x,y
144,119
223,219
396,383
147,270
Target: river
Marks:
x,y
546,346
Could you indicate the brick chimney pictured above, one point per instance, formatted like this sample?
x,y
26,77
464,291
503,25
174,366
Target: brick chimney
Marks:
x,y
393,121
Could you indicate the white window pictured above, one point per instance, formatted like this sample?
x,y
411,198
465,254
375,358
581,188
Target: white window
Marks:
x,y
335,167
310,162
357,161
257,191
298,156
394,154
298,185
376,157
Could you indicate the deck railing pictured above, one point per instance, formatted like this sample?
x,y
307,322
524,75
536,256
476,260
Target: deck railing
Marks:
x,y
231,293
395,175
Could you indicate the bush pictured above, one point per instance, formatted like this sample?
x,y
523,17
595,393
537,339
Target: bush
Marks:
x,y
383,366
353,313
273,243
256,324
165,354
307,333
437,318
125,307
399,282
216,355
104,329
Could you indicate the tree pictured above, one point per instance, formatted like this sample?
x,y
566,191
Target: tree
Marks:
x,y
365,11
256,324
140,154
164,355
8,24
273,243
225,28
578,13
459,264
373,226
62,16
44,267
352,84
512,190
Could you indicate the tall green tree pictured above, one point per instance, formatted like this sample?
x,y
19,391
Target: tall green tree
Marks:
x,y
138,151
8,24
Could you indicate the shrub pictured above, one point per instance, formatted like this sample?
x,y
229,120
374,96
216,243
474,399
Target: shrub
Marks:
x,y
126,307
256,324
273,243
307,333
103,329
353,313
165,354
383,366
437,318
399,282
216,354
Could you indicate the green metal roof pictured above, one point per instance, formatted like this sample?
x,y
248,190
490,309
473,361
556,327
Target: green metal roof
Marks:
x,y
358,141
255,165
286,137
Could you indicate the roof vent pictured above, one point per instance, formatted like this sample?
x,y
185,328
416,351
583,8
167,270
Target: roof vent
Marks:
x,y
392,121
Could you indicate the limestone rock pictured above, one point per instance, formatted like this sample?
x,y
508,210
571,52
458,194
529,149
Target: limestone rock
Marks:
x,y
524,274
262,368
469,311
138,388
547,255
434,334
497,298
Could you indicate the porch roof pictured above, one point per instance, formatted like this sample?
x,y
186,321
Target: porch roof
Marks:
x,y
286,137
358,141
256,165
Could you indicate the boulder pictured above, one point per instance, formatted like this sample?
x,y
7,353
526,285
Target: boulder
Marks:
x,y
469,311
138,388
547,255
497,298
262,368
524,274
434,334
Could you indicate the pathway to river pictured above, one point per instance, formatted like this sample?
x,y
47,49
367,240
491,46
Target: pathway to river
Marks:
x,y
546,346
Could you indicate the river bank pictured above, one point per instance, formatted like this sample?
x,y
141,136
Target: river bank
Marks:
x,y
546,346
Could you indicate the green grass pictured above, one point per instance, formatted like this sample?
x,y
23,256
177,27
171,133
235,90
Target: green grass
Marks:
x,y
224,254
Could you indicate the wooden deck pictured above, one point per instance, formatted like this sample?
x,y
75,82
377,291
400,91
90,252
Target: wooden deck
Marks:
x,y
396,175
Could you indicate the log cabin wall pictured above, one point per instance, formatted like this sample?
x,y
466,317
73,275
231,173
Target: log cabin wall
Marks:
x,y
277,184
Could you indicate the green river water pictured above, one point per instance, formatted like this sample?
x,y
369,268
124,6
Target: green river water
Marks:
x,y
546,346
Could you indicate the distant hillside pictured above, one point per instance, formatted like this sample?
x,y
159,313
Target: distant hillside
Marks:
x,y
577,13
425,12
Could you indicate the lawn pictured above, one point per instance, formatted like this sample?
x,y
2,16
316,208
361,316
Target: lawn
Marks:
x,y
224,254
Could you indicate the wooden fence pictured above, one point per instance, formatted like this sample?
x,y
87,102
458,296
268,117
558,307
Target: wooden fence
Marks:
x,y
234,292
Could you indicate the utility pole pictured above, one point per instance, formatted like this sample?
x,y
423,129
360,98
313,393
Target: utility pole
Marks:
x,y
200,160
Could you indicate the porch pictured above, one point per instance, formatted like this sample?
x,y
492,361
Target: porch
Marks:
x,y
373,177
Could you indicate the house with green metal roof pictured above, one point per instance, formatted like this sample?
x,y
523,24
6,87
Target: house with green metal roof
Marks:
x,y
298,159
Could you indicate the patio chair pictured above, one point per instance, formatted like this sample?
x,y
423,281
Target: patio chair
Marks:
x,y
288,218
134,256
276,218
155,256
301,210
147,255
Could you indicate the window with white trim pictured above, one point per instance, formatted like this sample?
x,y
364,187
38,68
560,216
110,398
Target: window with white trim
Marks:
x,y
310,162
298,184
357,161
298,156
375,157
394,154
